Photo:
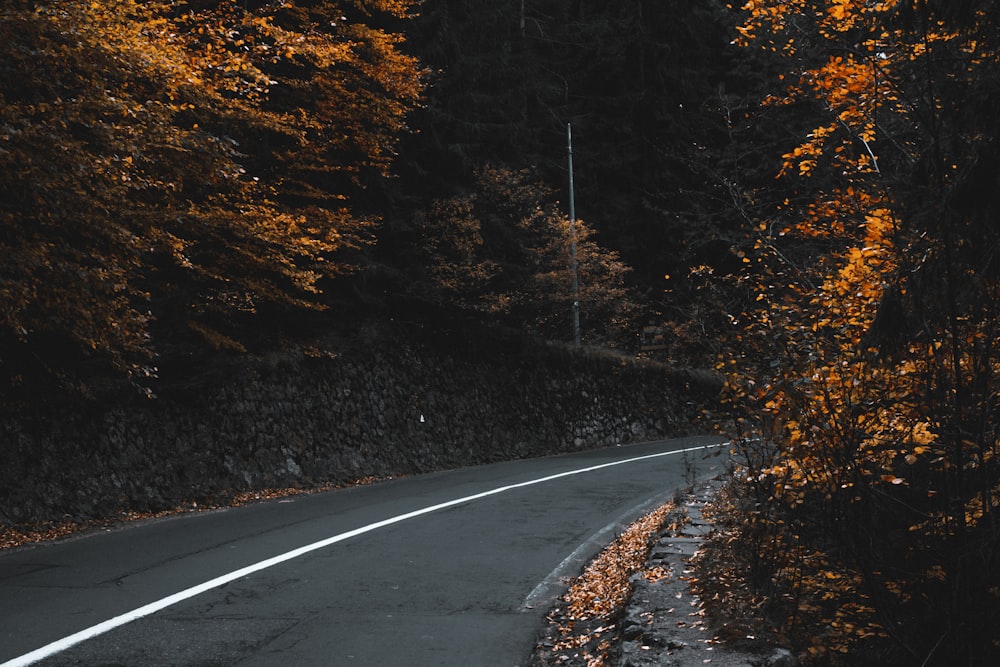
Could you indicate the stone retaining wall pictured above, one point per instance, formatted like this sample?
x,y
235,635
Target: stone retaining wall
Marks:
x,y
336,413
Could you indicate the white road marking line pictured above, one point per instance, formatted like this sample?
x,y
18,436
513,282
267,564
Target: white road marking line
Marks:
x,y
543,590
65,643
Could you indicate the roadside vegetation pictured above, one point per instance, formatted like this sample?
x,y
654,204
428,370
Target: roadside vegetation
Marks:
x,y
863,522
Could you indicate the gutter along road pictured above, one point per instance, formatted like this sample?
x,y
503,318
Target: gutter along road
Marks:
x,y
452,568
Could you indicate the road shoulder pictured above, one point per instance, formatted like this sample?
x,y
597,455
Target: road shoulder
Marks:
x,y
660,621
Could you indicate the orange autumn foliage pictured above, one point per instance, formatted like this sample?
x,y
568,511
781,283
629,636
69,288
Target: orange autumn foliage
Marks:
x,y
166,165
869,357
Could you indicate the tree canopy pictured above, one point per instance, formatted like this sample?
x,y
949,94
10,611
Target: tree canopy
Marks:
x,y
165,166
180,168
868,339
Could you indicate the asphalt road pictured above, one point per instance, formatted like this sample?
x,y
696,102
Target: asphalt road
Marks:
x,y
455,568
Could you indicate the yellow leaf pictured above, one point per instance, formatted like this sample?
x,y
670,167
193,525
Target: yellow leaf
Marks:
x,y
922,434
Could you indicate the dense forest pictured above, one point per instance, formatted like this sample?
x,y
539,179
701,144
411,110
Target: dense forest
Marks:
x,y
801,195
186,177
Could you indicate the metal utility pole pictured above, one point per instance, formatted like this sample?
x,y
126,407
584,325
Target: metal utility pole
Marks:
x,y
572,241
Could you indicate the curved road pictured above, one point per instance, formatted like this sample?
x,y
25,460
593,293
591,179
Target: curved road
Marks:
x,y
454,568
